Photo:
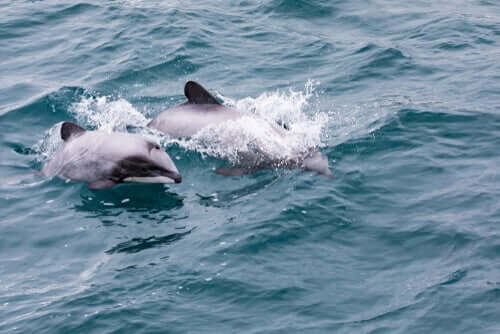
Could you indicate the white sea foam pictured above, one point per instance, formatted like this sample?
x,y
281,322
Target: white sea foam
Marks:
x,y
105,114
257,134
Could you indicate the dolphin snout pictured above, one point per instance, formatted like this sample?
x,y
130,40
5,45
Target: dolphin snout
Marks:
x,y
175,176
164,163
172,173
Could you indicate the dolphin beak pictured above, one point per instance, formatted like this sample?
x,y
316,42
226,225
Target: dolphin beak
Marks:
x,y
158,169
174,176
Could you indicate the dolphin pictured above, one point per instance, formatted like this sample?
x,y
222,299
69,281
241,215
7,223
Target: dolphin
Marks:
x,y
105,159
202,109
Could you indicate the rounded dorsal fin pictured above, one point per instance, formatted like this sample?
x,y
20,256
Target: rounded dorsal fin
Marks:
x,y
69,130
196,94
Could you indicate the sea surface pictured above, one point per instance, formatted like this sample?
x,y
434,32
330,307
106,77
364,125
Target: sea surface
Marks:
x,y
402,97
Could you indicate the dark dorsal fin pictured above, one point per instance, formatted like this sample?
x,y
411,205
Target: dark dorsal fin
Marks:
x,y
69,130
196,94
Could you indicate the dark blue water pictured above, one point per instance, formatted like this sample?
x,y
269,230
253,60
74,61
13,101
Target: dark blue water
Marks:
x,y
404,99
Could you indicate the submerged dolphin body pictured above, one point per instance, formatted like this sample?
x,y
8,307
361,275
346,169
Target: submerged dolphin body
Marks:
x,y
202,110
105,159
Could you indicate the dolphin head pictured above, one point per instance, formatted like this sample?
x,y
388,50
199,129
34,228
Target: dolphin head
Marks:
x,y
104,159
152,165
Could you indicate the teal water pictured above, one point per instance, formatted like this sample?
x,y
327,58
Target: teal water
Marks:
x,y
404,99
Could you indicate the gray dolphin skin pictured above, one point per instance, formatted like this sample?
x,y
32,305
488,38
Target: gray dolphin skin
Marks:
x,y
202,109
104,159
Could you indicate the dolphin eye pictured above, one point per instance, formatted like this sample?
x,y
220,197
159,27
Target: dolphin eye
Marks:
x,y
153,146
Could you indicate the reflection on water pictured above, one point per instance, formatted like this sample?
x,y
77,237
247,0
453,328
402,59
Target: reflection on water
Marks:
x,y
226,198
136,197
136,245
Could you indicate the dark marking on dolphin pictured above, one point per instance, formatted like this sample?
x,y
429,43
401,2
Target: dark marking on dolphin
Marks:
x,y
137,166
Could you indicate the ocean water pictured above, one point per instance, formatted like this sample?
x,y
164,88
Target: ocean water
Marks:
x,y
403,99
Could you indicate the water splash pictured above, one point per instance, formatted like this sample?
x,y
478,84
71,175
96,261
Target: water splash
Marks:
x,y
106,114
287,107
257,136
51,142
